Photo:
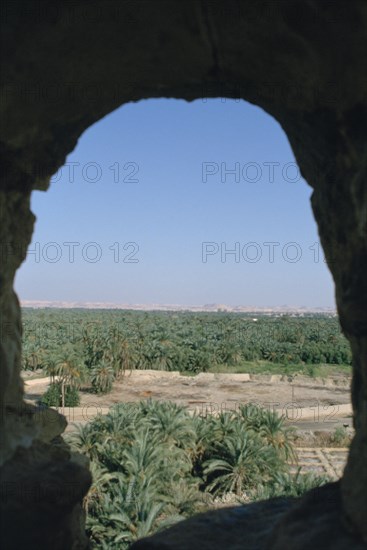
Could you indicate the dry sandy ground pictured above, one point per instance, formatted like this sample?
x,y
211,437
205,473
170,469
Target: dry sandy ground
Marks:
x,y
307,403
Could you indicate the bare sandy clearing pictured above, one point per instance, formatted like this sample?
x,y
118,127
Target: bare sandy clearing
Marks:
x,y
309,403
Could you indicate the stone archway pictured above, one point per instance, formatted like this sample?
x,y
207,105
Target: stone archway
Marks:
x,y
69,64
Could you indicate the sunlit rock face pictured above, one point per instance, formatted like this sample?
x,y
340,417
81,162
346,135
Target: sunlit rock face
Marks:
x,y
66,65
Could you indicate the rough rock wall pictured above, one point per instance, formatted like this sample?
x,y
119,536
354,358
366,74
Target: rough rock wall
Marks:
x,y
66,65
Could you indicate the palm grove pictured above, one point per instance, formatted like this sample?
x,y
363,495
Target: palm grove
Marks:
x,y
154,463
95,347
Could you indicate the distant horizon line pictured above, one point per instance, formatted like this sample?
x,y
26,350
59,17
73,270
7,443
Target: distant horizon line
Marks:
x,y
60,304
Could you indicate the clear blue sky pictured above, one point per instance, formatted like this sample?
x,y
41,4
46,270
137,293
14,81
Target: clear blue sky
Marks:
x,y
170,148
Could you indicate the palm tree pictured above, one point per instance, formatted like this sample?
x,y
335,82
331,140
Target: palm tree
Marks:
x,y
141,458
32,355
121,422
51,369
102,377
242,460
120,355
94,501
86,439
183,498
225,424
70,369
251,415
170,422
277,434
205,433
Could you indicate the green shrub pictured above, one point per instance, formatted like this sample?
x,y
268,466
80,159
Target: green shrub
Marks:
x,y
311,370
288,485
53,396
340,437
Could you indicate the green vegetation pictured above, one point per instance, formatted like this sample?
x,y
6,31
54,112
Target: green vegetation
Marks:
x,y
154,464
265,367
98,346
340,437
288,485
54,397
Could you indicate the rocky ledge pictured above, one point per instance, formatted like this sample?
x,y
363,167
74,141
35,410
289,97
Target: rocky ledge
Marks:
x,y
309,523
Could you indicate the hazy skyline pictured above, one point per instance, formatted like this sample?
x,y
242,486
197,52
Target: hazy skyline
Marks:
x,y
170,202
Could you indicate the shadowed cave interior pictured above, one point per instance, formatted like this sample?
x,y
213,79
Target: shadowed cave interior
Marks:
x,y
65,67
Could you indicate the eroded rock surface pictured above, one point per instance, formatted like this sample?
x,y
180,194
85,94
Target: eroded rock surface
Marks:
x,y
314,522
41,492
